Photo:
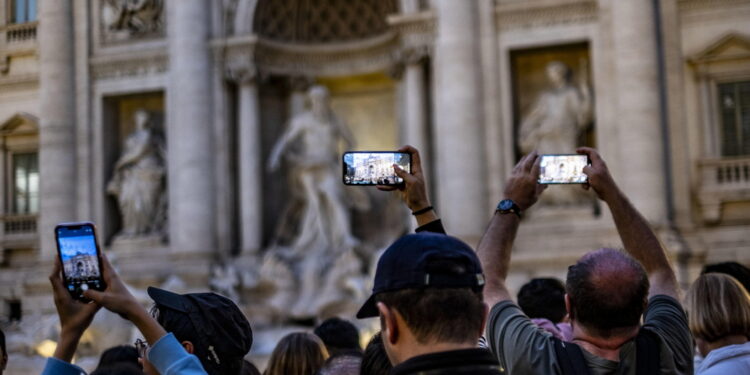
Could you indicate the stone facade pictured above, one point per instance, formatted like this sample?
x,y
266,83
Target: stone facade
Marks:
x,y
223,78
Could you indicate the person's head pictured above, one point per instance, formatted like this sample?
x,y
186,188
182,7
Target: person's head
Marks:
x,y
344,363
118,354
558,73
338,335
119,368
734,269
543,298
717,306
208,325
318,96
298,353
3,353
375,360
607,292
418,280
141,119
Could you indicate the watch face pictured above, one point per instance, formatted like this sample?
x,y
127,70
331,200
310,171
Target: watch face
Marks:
x,y
506,204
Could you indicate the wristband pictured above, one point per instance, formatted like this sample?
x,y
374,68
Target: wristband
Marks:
x,y
419,212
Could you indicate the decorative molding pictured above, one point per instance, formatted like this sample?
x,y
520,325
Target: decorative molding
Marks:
x,y
730,47
374,54
18,82
119,66
541,13
693,5
416,30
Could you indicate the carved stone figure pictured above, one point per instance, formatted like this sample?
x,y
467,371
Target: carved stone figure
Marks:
x,y
560,114
310,146
138,180
131,17
556,122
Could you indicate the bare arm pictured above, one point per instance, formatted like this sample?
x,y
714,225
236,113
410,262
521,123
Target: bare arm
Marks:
x,y
292,131
639,239
414,189
497,242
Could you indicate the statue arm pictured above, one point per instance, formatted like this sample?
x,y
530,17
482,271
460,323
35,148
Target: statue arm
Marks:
x,y
292,132
527,134
586,103
132,155
344,131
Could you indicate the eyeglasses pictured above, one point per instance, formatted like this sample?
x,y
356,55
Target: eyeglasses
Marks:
x,y
141,346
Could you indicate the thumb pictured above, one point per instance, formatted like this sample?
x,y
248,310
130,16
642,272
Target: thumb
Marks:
x,y
408,177
94,295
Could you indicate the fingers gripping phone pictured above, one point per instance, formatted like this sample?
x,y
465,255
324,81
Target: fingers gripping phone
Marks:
x,y
563,169
81,258
374,167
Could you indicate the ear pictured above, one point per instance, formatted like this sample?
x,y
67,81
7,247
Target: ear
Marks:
x,y
568,307
188,346
388,324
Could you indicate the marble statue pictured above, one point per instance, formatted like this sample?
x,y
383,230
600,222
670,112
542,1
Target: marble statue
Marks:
x,y
132,17
555,124
560,114
323,239
138,180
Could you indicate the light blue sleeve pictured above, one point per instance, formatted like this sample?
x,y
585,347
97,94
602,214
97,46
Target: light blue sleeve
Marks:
x,y
169,357
55,366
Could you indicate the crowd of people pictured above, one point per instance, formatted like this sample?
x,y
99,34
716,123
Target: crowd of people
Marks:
x,y
444,308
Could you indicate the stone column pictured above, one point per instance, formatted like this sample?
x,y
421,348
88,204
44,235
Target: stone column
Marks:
x,y
189,131
458,133
250,163
415,102
634,49
57,133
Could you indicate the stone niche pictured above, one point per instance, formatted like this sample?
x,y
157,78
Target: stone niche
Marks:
x,y
530,81
121,115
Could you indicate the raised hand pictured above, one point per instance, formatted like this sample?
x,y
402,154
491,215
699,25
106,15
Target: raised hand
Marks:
x,y
522,186
414,189
598,174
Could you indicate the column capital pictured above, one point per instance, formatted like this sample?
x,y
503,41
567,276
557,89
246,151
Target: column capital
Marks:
x,y
242,72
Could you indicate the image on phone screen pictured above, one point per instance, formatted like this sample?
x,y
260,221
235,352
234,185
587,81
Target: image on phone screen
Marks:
x,y
563,169
80,260
374,168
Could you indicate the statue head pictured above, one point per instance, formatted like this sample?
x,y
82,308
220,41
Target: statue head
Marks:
x,y
141,118
559,73
318,96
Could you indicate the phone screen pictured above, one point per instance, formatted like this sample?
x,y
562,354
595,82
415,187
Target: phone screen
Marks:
x,y
563,169
79,254
374,167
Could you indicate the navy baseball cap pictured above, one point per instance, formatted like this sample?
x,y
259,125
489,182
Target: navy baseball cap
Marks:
x,y
424,260
222,328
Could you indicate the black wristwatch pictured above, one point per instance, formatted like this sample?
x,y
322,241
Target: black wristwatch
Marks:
x,y
507,206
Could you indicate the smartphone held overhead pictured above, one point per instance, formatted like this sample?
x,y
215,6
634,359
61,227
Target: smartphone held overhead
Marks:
x,y
80,256
366,168
563,169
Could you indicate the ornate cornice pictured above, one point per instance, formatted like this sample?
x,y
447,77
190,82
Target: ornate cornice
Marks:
x,y
540,13
416,30
308,59
127,65
19,81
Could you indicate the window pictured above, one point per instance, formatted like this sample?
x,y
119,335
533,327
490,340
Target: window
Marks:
x,y
23,11
26,183
734,104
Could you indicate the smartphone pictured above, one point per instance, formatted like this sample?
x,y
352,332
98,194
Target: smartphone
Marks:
x,y
81,258
374,167
563,169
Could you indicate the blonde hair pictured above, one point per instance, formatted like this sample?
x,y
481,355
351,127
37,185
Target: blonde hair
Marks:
x,y
718,306
298,353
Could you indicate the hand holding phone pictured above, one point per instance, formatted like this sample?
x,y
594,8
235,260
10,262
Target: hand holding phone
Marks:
x,y
80,257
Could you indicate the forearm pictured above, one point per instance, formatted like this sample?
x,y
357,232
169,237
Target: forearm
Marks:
x,y
148,326
641,242
66,347
494,252
426,218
